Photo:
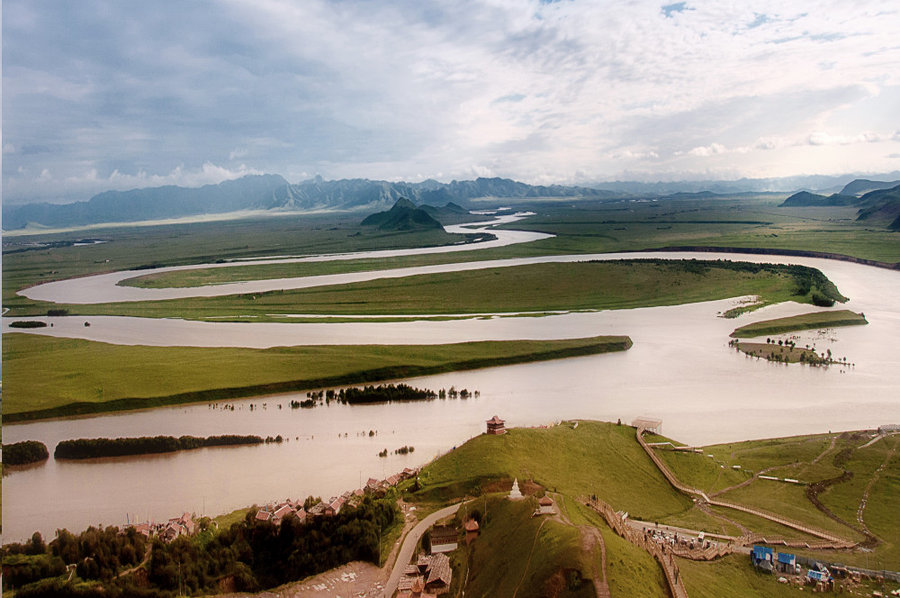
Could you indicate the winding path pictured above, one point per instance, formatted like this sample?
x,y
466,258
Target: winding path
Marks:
x,y
409,546
832,540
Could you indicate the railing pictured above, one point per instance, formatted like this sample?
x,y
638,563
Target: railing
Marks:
x,y
665,558
832,541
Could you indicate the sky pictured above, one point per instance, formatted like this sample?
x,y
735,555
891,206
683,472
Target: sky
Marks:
x,y
118,95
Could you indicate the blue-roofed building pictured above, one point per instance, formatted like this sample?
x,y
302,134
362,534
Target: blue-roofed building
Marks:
x,y
822,580
786,562
817,575
762,557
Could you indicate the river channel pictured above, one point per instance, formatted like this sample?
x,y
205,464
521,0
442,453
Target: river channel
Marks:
x,y
680,370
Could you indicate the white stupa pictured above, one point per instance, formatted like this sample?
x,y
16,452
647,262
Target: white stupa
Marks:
x,y
514,494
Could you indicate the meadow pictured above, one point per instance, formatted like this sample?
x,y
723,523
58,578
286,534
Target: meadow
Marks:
x,y
48,377
811,321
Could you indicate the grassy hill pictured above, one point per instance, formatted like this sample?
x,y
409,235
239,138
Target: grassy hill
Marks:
x,y
403,216
573,459
517,552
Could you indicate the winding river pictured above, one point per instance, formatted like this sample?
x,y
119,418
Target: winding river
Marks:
x,y
679,370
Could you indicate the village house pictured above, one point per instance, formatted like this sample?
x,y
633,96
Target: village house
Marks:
x,y
495,425
334,506
284,510
317,510
545,506
430,576
169,533
762,557
472,530
439,574
178,526
443,539
786,563
415,588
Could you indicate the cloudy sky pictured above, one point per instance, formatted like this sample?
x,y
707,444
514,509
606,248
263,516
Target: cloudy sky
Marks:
x,y
101,95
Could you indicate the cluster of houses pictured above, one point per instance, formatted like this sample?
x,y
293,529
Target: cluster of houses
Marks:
x,y
429,577
168,531
785,563
289,508
431,574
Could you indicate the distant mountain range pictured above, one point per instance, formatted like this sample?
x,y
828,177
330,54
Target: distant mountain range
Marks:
x,y
273,192
881,206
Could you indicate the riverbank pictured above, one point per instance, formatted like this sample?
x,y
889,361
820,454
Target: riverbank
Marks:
x,y
783,251
54,378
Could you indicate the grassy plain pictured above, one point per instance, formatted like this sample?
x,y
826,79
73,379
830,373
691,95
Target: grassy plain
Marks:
x,y
529,288
582,227
592,226
753,222
48,377
808,459
730,576
35,259
822,319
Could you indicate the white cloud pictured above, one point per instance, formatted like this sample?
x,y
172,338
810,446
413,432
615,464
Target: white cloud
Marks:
x,y
708,150
534,91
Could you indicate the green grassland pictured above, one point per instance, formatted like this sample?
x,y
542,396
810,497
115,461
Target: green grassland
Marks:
x,y
826,319
788,500
740,222
48,377
39,258
517,551
604,459
759,454
700,472
730,576
536,287
630,570
582,227
794,458
593,458
699,520
517,554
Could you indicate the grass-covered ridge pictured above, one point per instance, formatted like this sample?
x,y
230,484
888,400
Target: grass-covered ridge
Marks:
x,y
575,460
49,377
823,319
517,554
